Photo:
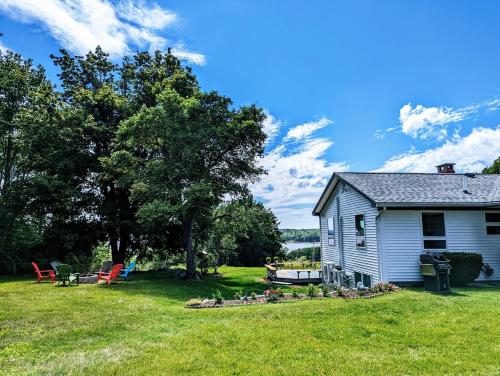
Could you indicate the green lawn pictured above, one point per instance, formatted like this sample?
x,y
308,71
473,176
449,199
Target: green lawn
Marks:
x,y
141,327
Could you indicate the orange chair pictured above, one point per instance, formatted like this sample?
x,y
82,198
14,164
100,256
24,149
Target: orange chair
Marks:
x,y
41,274
115,270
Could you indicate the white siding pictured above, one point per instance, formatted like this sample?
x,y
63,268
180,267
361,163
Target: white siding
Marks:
x,y
351,203
401,238
329,253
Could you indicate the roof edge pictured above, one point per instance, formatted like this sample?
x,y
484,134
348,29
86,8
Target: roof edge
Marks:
x,y
327,192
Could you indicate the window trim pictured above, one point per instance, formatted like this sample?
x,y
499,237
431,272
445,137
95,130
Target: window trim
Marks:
x,y
362,275
490,224
355,234
424,238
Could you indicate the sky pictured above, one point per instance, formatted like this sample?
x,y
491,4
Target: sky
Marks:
x,y
347,86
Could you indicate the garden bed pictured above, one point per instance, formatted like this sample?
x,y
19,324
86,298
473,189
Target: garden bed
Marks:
x,y
277,296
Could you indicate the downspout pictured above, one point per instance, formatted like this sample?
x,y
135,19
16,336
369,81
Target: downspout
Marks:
x,y
379,243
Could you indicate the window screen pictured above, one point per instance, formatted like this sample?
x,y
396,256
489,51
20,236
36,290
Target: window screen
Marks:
x,y
492,217
359,221
493,230
433,224
331,231
492,223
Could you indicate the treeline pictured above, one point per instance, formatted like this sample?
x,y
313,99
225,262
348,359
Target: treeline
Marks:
x,y
301,235
308,253
134,155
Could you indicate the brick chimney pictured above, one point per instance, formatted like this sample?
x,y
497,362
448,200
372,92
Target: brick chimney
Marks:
x,y
446,168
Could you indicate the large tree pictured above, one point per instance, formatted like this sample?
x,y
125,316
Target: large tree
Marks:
x,y
194,150
23,89
494,168
103,95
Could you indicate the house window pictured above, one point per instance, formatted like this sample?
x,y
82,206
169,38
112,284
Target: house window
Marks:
x,y
433,231
365,279
331,231
492,223
359,221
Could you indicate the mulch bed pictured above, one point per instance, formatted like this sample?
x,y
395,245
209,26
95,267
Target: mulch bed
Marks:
x,y
260,299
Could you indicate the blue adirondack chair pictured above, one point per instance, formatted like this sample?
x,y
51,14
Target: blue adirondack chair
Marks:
x,y
124,273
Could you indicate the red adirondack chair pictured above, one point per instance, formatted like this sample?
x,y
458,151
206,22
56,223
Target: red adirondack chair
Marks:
x,y
115,270
41,274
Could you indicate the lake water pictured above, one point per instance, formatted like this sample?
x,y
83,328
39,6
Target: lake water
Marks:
x,y
292,246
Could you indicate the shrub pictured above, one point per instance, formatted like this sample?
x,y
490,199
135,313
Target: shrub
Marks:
x,y
279,292
312,290
253,295
217,296
272,298
465,267
325,289
237,295
340,291
295,294
193,303
379,287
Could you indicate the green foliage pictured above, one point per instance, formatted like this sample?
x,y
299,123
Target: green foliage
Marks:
x,y
304,254
238,295
339,290
301,235
244,232
494,168
100,253
312,290
253,295
465,267
217,296
325,289
135,154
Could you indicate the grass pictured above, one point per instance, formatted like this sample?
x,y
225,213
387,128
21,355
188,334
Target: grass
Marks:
x,y
141,327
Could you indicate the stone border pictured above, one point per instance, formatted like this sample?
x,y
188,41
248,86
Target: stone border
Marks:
x,y
288,298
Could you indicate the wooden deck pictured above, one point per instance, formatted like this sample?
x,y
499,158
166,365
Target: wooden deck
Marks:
x,y
293,276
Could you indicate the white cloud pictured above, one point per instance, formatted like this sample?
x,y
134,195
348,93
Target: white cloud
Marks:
x,y
430,122
470,153
297,174
271,126
81,25
183,53
302,131
140,13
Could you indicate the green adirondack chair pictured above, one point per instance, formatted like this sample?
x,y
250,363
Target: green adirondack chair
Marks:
x,y
65,274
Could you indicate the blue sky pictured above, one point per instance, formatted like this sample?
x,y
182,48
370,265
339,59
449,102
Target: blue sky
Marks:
x,y
359,86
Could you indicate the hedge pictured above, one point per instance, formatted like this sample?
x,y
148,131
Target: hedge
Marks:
x,y
465,267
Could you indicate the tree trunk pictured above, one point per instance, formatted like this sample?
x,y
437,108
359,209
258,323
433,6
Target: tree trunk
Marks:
x,y
188,246
118,250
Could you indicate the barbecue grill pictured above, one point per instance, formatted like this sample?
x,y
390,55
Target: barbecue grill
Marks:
x,y
436,272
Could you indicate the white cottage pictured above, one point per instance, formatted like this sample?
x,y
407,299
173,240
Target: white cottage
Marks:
x,y
375,225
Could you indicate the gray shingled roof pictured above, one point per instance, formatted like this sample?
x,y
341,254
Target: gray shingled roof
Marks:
x,y
425,189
